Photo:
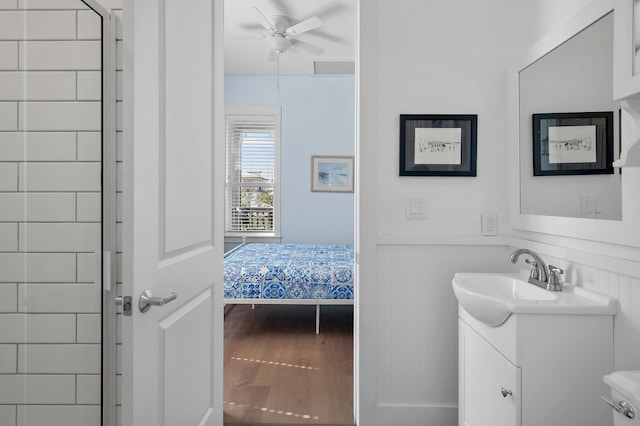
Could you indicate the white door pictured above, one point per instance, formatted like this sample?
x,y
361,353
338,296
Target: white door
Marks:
x,y
172,240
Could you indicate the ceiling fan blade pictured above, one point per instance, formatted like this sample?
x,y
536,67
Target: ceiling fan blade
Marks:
x,y
244,38
264,21
307,47
251,27
304,26
328,36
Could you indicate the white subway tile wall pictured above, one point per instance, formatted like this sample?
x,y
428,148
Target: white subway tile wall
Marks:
x,y
58,298
8,360
8,236
46,4
38,25
41,328
59,55
89,86
38,206
60,116
8,55
89,146
8,115
8,302
59,359
8,4
88,390
37,85
77,177
50,213
38,146
38,267
37,389
49,415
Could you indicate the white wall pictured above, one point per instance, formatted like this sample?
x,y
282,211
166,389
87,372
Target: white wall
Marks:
x,y
438,58
445,57
318,118
50,214
530,21
430,58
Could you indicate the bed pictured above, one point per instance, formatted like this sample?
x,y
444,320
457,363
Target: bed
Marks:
x,y
301,274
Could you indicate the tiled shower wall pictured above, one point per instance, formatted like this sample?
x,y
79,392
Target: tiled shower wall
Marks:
x,y
50,213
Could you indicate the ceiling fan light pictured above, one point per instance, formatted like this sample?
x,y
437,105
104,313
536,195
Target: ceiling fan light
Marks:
x,y
279,43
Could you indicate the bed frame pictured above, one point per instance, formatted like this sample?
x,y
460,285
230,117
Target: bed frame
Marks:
x,y
317,302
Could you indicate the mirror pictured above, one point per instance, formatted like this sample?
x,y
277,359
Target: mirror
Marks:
x,y
574,77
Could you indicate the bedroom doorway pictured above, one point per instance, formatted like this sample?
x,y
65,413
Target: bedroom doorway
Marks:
x,y
297,56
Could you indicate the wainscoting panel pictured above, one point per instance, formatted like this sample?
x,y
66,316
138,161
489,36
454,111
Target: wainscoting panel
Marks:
x,y
417,322
626,289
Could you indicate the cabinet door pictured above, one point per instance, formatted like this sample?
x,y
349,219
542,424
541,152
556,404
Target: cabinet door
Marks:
x,y
485,374
626,47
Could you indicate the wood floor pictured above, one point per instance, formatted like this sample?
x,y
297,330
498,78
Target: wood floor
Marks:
x,y
277,371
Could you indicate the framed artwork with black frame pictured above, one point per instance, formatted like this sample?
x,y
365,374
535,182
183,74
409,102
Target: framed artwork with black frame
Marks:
x,y
574,143
438,145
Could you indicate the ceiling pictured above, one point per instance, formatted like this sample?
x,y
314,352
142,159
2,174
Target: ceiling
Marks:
x,y
246,54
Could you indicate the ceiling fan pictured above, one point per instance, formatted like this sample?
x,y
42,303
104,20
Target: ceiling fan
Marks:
x,y
280,33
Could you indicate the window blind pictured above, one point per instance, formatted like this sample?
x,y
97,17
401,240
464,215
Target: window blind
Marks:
x,y
251,175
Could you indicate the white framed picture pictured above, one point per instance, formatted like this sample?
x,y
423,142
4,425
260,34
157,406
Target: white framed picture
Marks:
x,y
332,173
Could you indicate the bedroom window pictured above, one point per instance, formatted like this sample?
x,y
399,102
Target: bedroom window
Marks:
x,y
252,172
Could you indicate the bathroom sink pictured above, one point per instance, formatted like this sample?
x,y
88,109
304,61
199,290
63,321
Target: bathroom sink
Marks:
x,y
492,297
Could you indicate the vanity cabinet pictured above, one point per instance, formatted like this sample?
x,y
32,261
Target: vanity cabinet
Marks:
x,y
534,370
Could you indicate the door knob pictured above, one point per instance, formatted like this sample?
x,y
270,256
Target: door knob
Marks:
x,y
505,392
146,301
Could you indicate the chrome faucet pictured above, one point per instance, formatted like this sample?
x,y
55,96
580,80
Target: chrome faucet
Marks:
x,y
539,275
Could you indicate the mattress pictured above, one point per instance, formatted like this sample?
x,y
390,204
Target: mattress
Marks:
x,y
289,271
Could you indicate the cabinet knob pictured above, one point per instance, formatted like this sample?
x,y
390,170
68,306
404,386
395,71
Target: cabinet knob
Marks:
x,y
505,392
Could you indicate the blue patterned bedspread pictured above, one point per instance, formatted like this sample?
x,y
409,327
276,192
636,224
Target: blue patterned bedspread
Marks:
x,y
289,271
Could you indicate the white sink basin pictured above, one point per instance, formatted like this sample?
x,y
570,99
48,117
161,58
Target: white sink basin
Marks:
x,y
492,298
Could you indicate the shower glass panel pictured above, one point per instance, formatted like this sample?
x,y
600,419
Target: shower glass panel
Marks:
x,y
51,166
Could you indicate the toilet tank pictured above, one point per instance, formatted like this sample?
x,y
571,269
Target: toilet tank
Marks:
x,y
625,397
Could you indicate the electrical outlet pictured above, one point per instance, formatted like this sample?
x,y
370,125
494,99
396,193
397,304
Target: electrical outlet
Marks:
x,y
489,223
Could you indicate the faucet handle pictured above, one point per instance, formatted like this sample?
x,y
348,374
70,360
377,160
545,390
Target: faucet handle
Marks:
x,y
555,269
554,278
534,270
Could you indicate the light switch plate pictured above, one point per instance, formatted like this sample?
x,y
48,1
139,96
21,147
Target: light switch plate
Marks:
x,y
416,208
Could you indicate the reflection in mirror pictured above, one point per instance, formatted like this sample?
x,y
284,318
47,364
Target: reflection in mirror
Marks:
x,y
575,77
